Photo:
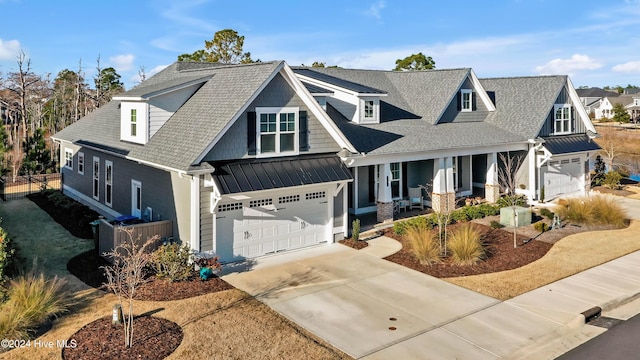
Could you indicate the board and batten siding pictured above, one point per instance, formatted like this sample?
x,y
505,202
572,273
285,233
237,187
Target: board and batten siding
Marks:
x,y
577,126
278,93
206,218
454,114
166,193
162,107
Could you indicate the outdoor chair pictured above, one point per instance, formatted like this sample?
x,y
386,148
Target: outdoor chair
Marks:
x,y
415,199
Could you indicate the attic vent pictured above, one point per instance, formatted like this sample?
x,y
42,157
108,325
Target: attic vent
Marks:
x,y
261,202
315,195
229,207
288,199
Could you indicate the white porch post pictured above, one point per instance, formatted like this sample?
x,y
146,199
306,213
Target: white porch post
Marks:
x,y
195,213
384,201
443,195
533,191
492,187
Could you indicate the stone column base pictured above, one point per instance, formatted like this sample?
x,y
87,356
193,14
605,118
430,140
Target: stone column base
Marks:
x,y
491,192
443,203
385,212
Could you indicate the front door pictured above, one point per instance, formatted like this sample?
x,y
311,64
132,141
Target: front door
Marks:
x,y
136,198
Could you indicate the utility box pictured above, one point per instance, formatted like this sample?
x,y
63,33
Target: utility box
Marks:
x,y
523,216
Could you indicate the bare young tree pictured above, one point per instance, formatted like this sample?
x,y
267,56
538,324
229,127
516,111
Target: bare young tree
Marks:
x,y
443,217
507,179
127,273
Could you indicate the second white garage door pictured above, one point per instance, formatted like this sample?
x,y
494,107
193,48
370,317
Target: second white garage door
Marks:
x,y
562,177
268,225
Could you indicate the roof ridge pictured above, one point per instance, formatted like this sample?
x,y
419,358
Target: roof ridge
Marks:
x,y
216,66
524,77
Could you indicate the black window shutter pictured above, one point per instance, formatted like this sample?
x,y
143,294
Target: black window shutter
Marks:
x,y
473,101
372,183
251,132
459,101
405,187
304,131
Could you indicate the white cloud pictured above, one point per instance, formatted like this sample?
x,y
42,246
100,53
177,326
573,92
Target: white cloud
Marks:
x,y
569,66
9,49
631,66
375,8
122,62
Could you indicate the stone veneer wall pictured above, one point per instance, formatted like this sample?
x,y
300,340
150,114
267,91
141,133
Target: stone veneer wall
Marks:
x,y
385,211
491,193
439,202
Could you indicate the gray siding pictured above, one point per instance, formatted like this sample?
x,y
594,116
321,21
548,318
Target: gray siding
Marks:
x,y
206,218
453,114
577,126
233,144
162,107
165,193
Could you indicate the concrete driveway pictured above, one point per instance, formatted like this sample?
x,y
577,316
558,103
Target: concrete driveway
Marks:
x,y
357,302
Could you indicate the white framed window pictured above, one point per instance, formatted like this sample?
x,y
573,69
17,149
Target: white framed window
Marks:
x,y
466,100
277,130
96,178
562,119
68,159
108,182
81,163
396,180
368,109
134,122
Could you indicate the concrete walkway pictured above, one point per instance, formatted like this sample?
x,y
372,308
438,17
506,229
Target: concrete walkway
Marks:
x,y
374,309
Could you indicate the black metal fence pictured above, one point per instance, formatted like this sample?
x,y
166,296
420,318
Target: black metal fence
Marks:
x,y
21,186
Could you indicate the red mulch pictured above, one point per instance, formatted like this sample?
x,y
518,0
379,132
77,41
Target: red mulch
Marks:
x,y
500,254
153,338
86,267
354,244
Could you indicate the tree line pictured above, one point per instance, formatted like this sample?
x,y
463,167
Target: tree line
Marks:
x,y
33,107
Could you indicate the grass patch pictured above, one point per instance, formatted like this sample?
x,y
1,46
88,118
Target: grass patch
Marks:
x,y
465,245
424,244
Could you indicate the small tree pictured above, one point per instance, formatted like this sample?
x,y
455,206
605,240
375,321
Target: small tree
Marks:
x,y
507,179
620,114
443,217
127,273
600,169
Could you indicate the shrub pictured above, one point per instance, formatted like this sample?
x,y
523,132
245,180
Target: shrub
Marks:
x,y
541,226
460,215
593,210
547,213
33,300
355,230
424,244
520,200
465,245
400,227
172,262
612,180
496,224
6,253
489,209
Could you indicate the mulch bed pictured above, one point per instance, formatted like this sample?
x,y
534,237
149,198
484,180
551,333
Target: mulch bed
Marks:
x,y
354,244
86,267
154,338
500,254
76,220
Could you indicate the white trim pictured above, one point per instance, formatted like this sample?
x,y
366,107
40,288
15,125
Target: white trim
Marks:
x,y
481,92
195,213
108,165
278,111
582,112
95,188
148,96
161,167
101,208
334,88
556,107
68,161
136,209
463,92
81,156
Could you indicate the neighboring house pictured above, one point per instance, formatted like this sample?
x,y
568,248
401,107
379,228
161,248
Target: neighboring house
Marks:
x,y
591,98
630,102
254,159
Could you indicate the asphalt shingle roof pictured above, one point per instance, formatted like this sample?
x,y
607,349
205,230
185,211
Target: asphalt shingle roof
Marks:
x,y
183,138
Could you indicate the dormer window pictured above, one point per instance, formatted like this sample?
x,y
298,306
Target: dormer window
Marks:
x,y
466,100
369,110
134,122
562,119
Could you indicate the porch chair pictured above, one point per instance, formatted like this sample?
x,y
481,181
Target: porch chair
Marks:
x,y
415,198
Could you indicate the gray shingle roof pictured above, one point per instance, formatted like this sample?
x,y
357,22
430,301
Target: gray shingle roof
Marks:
x,y
183,138
343,83
523,103
595,92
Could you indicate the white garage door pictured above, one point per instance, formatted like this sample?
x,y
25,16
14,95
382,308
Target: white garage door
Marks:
x,y
267,225
562,177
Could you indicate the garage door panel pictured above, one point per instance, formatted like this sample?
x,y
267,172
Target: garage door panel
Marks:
x,y
562,177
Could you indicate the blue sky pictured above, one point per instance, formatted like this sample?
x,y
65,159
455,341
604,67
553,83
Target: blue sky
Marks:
x,y
597,43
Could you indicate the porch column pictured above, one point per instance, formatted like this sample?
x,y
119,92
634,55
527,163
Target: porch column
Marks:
x,y
492,187
443,197
533,191
384,201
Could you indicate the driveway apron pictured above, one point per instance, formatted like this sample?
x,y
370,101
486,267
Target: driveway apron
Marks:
x,y
359,303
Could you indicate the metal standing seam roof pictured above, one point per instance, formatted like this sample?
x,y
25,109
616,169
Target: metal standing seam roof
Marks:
x,y
264,174
315,89
343,83
566,144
